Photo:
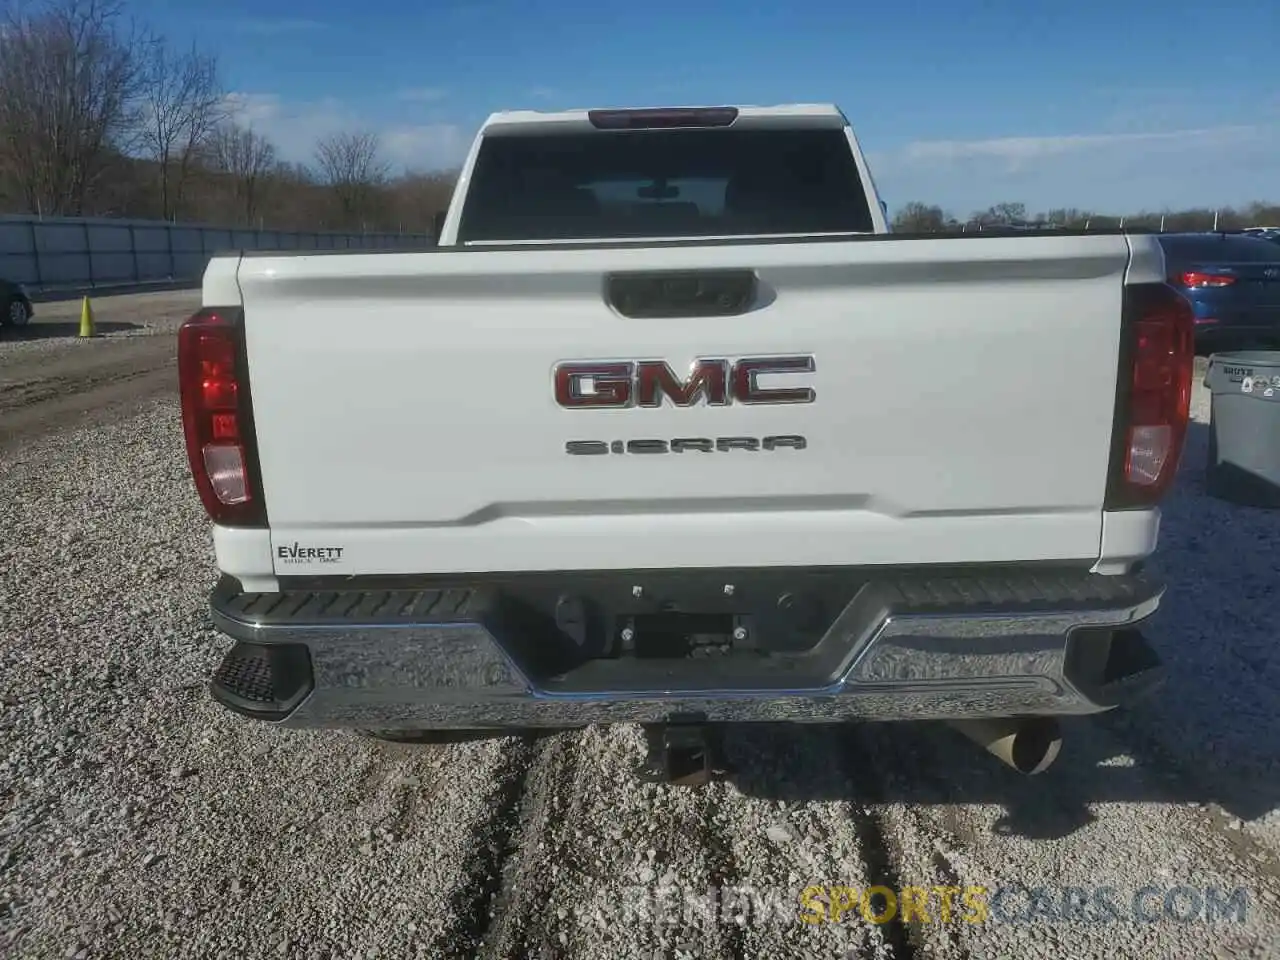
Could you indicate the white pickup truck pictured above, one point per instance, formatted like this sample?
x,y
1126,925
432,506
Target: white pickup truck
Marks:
x,y
671,430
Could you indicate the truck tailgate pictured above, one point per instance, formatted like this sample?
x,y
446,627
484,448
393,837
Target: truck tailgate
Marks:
x,y
964,393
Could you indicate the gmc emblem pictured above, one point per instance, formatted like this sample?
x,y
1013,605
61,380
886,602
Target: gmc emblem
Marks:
x,y
643,383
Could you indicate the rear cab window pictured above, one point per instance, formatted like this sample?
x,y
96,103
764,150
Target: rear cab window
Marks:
x,y
627,184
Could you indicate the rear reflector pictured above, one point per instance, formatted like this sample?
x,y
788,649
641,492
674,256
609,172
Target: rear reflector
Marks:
x,y
1153,405
217,417
669,117
224,463
1195,278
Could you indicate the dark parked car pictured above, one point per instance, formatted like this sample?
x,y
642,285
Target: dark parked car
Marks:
x,y
1264,233
1233,283
15,304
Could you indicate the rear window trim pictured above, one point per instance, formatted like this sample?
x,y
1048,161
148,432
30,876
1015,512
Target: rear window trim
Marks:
x,y
681,239
482,246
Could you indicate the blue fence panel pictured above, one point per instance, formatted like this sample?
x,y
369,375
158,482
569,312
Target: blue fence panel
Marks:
x,y
75,252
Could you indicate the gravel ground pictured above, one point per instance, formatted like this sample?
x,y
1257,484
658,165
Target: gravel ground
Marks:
x,y
50,379
56,324
137,819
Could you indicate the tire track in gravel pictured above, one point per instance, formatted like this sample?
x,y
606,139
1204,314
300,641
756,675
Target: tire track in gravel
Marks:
x,y
601,855
86,387
871,828
605,865
725,874
798,830
1093,820
479,898
520,924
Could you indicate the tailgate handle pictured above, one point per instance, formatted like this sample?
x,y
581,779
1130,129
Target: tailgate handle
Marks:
x,y
682,293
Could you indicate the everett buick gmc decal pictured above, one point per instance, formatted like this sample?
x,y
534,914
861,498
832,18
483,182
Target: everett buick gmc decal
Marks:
x,y
296,553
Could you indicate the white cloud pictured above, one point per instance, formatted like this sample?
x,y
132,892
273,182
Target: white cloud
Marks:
x,y
1018,152
296,127
431,146
252,108
293,127
1124,171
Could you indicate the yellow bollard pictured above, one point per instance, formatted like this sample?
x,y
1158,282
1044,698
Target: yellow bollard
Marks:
x,y
86,319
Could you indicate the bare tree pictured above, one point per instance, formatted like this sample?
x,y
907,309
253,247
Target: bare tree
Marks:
x,y
1001,214
917,217
183,105
416,198
1070,217
351,167
247,158
69,80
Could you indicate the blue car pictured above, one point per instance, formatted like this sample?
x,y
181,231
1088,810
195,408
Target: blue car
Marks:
x,y
1233,283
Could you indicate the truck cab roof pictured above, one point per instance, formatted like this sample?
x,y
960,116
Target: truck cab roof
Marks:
x,y
791,114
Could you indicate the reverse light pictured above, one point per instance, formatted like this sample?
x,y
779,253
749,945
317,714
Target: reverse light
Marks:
x,y
1154,396
217,417
1197,279
664,118
224,465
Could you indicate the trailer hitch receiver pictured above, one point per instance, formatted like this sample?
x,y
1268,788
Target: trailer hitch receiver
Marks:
x,y
683,752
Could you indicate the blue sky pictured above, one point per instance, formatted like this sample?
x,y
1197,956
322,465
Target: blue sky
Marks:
x,y
1144,105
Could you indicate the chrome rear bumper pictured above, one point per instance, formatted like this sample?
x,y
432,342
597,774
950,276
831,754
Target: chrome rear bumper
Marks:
x,y
902,649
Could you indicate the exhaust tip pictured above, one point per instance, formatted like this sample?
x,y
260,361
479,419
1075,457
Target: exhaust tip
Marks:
x,y
1029,745
1035,746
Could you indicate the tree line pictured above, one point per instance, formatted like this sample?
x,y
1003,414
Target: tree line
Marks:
x,y
102,116
918,217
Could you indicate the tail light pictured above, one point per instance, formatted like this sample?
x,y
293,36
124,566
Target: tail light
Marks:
x,y
1196,278
1153,401
217,417
665,118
